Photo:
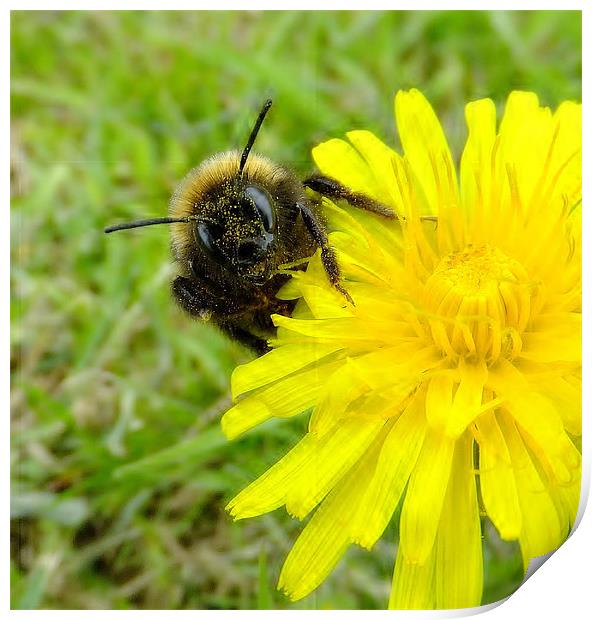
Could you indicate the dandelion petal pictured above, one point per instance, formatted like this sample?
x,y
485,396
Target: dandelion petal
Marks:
x,y
413,584
541,527
397,459
327,535
459,556
425,496
498,487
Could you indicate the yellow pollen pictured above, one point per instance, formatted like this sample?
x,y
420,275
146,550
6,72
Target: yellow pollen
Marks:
x,y
478,302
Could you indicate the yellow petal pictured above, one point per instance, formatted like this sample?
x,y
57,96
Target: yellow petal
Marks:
x,y
347,221
344,386
439,400
413,584
570,496
334,455
564,166
362,262
348,331
498,487
249,413
468,397
475,167
394,465
566,395
308,472
365,245
426,148
327,535
541,528
425,495
402,365
451,575
290,290
322,298
561,493
553,338
277,364
451,415
339,160
459,554
379,158
537,416
283,399
325,303
270,490
526,132
553,446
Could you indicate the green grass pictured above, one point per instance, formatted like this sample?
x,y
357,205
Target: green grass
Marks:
x,y
120,473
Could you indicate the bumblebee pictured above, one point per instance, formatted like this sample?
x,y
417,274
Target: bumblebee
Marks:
x,y
235,219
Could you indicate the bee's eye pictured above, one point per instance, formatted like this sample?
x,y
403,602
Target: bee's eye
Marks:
x,y
209,234
263,205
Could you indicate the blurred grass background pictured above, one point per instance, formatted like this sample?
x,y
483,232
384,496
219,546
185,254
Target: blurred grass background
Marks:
x,y
119,470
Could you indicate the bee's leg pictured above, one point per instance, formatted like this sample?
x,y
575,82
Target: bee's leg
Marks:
x,y
317,232
330,188
258,345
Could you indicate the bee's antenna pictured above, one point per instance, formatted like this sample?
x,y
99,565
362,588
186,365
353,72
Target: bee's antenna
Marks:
x,y
156,220
253,136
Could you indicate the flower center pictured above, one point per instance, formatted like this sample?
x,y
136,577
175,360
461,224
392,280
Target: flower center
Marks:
x,y
478,301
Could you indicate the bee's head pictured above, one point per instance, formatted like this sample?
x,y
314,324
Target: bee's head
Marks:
x,y
227,214
237,228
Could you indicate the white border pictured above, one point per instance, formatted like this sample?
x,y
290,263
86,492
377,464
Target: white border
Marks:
x,y
562,586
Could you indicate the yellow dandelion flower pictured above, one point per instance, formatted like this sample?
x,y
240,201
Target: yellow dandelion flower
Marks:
x,y
453,385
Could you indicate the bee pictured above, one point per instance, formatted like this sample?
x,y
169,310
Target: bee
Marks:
x,y
235,219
